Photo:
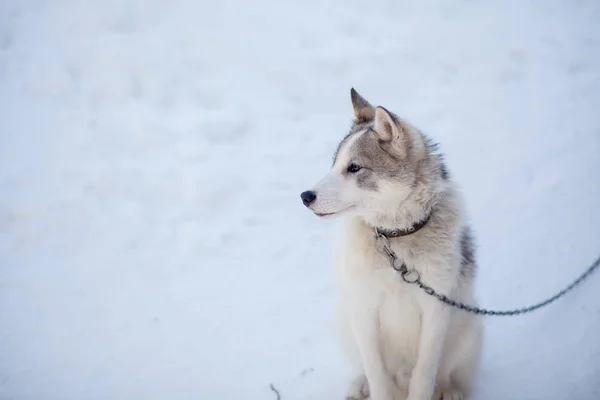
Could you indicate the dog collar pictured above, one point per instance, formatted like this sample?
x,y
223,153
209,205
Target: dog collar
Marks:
x,y
394,233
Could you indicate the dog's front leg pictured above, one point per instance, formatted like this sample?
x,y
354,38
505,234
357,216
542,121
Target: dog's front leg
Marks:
x,y
434,326
365,326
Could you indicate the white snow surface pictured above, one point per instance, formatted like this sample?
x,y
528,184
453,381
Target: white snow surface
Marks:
x,y
152,240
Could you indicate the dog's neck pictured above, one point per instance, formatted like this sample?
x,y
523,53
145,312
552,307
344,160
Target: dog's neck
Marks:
x,y
405,218
408,215
395,233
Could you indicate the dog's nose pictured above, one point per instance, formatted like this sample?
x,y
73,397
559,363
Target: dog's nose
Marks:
x,y
308,197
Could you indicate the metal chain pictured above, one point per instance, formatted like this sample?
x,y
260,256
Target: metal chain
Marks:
x,y
413,277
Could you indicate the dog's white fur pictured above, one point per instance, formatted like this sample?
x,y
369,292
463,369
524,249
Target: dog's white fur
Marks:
x,y
404,343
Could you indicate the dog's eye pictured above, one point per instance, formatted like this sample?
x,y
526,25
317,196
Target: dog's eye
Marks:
x,y
352,168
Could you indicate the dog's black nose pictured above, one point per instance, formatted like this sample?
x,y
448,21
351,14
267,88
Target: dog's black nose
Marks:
x,y
308,197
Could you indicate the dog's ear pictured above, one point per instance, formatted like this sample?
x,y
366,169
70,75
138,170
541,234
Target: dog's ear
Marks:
x,y
392,131
363,111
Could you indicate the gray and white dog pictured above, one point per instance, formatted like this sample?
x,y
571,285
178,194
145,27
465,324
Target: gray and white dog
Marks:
x,y
389,177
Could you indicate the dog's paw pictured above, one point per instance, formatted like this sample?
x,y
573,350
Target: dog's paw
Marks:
x,y
448,394
359,389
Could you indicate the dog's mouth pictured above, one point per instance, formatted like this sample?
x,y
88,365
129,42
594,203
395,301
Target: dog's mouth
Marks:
x,y
325,215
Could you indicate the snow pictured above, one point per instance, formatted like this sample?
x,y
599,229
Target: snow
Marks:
x,y
152,240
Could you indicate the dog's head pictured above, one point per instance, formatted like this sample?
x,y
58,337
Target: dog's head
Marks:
x,y
374,168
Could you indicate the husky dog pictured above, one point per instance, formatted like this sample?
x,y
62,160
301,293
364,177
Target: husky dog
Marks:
x,y
388,177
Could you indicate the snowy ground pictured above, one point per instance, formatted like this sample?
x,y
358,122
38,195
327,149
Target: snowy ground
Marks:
x,y
152,240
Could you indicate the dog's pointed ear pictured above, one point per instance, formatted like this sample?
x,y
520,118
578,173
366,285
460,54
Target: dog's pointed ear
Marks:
x,y
392,131
363,111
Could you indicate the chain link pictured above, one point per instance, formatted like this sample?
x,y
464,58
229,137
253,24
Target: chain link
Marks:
x,y
413,277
